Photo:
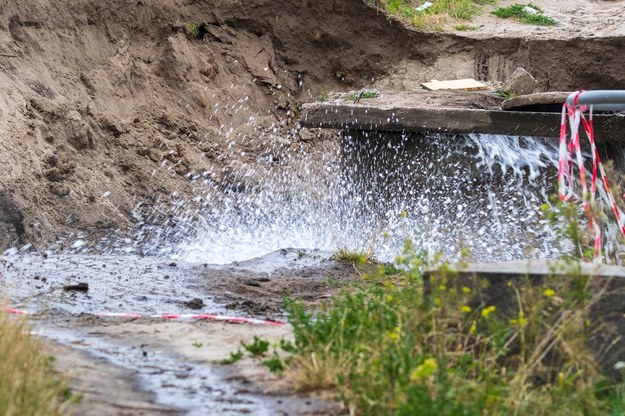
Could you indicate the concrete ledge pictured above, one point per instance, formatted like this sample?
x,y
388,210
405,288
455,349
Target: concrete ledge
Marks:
x,y
491,284
449,120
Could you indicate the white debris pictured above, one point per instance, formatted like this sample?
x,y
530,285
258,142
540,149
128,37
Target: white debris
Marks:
x,y
530,10
424,6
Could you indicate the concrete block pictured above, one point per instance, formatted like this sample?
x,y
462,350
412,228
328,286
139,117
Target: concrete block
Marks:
x,y
520,82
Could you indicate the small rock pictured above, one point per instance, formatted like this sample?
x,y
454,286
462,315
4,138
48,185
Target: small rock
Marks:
x,y
306,135
208,71
53,175
143,151
60,189
195,303
520,82
252,282
52,160
79,287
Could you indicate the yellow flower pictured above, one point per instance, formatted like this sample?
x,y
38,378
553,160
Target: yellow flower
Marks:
x,y
466,290
465,309
522,321
394,334
426,369
442,288
487,311
437,301
473,328
549,293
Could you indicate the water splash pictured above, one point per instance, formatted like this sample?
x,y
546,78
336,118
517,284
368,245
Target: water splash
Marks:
x,y
371,192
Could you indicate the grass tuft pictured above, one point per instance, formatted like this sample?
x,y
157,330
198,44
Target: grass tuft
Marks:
x,y
28,384
193,28
356,257
438,15
518,11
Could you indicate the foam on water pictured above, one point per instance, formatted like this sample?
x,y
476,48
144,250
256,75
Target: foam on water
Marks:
x,y
371,192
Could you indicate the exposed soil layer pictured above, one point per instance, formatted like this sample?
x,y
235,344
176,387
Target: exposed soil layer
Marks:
x,y
105,106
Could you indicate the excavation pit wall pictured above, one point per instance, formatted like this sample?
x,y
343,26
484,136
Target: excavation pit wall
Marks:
x,y
108,107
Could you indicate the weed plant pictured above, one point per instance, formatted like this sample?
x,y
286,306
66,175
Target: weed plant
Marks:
x,y
28,384
355,257
399,344
193,28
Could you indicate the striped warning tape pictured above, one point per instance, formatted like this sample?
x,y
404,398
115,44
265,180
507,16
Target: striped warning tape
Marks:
x,y
170,316
570,152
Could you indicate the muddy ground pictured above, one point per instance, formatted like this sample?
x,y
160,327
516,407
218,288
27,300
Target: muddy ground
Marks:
x,y
114,114
151,365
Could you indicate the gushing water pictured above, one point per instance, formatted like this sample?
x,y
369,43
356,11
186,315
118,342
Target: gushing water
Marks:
x,y
371,192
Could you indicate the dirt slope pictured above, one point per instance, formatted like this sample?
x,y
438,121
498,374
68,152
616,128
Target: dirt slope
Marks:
x,y
105,105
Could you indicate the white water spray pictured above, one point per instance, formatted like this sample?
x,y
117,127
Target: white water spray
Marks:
x,y
371,193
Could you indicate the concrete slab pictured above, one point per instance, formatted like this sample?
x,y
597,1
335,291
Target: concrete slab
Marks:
x,y
549,102
373,117
494,284
539,268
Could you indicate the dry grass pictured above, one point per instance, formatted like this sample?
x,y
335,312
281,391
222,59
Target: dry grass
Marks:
x,y
28,384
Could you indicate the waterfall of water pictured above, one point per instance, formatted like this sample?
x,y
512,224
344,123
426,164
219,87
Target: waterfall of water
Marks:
x,y
371,192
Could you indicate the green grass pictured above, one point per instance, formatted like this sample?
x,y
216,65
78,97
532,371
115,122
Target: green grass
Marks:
x,y
28,383
438,15
506,95
464,28
193,28
516,11
364,94
392,345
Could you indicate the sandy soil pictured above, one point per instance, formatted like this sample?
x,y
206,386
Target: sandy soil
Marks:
x,y
585,18
108,109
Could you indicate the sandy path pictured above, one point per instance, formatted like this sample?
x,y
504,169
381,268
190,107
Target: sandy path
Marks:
x,y
584,18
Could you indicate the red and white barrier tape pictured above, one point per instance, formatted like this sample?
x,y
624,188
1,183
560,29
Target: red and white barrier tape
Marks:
x,y
176,316
570,151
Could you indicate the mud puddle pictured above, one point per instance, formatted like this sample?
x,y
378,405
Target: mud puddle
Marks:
x,y
174,362
39,283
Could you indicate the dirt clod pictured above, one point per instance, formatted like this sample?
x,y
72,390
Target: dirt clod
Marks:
x,y
78,287
195,303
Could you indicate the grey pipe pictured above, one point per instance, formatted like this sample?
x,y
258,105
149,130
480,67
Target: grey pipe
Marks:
x,y
601,100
